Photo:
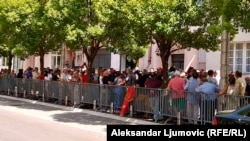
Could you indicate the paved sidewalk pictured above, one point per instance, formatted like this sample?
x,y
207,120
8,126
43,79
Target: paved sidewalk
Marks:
x,y
72,114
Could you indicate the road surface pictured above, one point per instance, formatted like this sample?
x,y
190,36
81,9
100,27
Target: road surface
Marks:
x,y
27,121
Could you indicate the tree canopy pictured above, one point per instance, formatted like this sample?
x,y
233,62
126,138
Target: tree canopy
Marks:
x,y
129,27
14,15
171,24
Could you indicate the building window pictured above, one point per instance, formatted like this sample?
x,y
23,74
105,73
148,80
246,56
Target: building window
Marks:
x,y
248,58
56,59
231,57
4,61
178,61
239,57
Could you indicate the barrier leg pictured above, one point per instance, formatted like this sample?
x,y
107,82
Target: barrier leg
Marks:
x,y
94,105
178,118
66,100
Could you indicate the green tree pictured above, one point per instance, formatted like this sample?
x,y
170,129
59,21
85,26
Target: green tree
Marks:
x,y
237,12
234,16
41,35
171,24
13,16
123,38
85,29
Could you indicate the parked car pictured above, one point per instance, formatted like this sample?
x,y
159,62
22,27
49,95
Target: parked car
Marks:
x,y
239,116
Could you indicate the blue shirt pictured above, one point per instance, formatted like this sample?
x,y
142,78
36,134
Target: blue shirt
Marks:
x,y
192,96
208,91
29,75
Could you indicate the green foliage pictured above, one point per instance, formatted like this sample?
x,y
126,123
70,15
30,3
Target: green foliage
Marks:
x,y
14,15
241,15
42,35
120,27
127,27
171,24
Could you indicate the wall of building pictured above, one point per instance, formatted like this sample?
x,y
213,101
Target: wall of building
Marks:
x,y
115,61
213,60
191,58
242,37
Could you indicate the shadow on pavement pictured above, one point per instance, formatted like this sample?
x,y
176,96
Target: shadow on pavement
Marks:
x,y
84,118
25,105
66,116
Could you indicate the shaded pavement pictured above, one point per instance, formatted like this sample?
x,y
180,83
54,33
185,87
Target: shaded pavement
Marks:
x,y
66,114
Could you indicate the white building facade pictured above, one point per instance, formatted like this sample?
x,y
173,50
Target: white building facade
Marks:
x,y
239,58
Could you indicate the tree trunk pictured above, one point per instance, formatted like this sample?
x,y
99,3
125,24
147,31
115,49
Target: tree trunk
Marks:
x,y
164,54
89,70
10,56
224,59
165,72
41,61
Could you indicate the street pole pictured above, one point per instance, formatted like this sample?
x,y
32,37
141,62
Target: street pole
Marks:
x,y
224,69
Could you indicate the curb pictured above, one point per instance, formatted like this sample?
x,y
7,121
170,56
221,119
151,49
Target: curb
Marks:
x,y
95,113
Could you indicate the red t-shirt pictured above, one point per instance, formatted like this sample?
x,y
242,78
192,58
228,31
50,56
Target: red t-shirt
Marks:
x,y
85,78
41,77
177,85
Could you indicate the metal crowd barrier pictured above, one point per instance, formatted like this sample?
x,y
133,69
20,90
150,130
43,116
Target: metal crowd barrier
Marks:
x,y
193,108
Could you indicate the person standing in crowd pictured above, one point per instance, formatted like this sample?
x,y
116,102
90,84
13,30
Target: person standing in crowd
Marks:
x,y
105,94
230,94
211,78
12,74
240,84
130,78
247,79
35,73
189,72
193,97
176,87
76,76
208,92
47,76
84,77
138,79
171,71
56,75
142,79
65,77
28,73
20,73
119,91
153,83
95,75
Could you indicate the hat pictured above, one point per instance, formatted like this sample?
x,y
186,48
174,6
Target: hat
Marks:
x,y
65,68
183,74
177,73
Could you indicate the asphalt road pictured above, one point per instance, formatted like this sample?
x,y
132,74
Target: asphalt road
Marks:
x,y
21,121
30,121
16,126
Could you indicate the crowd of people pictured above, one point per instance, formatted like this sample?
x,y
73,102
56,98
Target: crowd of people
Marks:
x,y
184,86
198,93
